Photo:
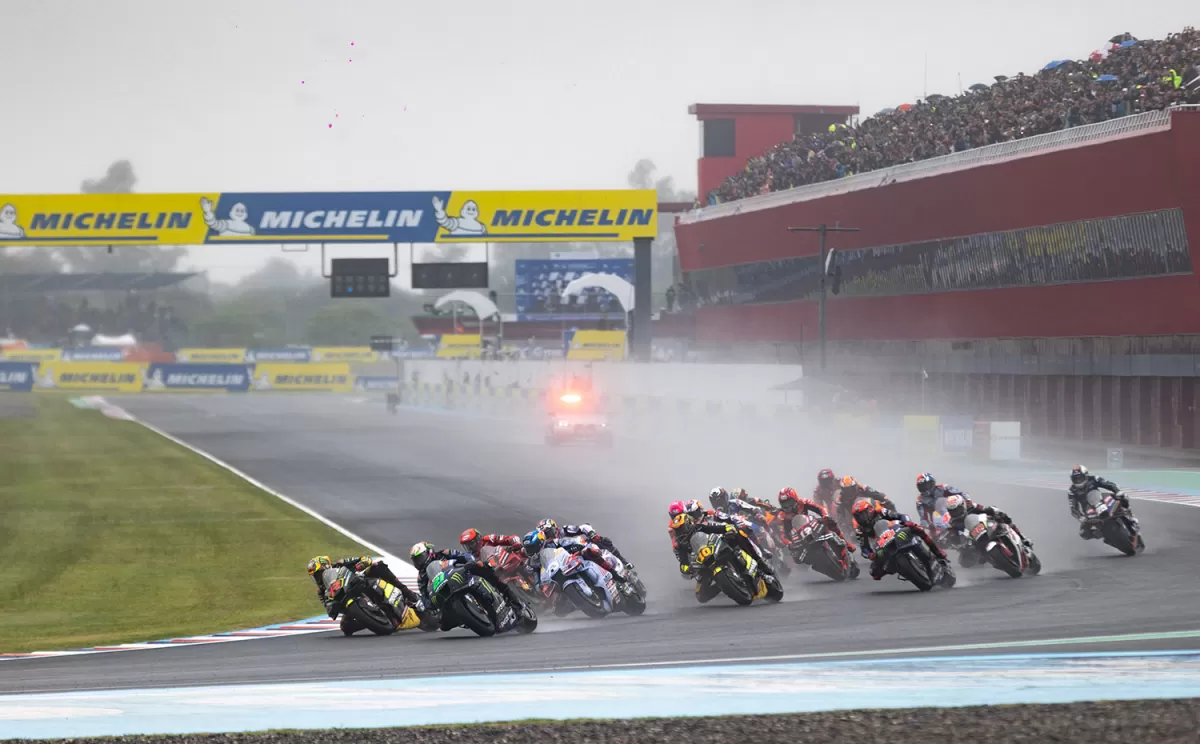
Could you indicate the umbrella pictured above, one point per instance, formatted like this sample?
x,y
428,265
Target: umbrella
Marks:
x,y
904,107
934,96
1107,79
1119,38
1054,65
885,111
1125,44
980,86
1000,78
1096,56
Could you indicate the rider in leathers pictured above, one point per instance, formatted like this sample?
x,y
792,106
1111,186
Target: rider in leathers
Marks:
x,y
1083,482
928,492
851,490
363,564
791,505
423,554
713,522
474,543
958,507
683,526
552,531
866,513
740,507
827,489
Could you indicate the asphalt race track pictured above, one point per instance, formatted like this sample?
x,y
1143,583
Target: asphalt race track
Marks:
x,y
395,480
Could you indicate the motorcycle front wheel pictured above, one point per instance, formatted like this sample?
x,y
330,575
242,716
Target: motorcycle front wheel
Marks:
x,y
731,584
592,606
911,568
370,616
1117,535
472,614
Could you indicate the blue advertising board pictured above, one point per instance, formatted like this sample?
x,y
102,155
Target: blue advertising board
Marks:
x,y
294,354
17,377
540,284
234,378
94,354
958,434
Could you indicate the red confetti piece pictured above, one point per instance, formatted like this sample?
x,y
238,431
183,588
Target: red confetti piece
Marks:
x,y
331,125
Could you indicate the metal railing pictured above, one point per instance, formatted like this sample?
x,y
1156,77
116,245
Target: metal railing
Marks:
x,y
1127,126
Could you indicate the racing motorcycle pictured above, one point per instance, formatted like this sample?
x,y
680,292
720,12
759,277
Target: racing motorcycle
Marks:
x,y
631,586
1002,544
471,601
1105,514
816,546
940,525
733,570
589,587
373,604
509,565
904,553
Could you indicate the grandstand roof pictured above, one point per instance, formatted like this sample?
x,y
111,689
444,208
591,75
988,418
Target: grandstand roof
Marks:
x,y
701,109
89,282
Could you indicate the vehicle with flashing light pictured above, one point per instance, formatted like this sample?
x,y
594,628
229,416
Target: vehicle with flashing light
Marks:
x,y
576,416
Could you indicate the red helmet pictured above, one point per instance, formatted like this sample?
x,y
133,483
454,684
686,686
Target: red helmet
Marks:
x,y
789,501
826,477
469,539
864,512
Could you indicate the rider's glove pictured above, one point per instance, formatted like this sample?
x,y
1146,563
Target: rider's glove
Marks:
x,y
685,570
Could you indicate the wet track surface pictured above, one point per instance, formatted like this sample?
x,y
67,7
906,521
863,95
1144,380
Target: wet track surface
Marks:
x,y
425,475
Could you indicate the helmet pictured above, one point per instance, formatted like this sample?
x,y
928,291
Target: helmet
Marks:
x,y
848,482
683,523
926,482
741,493
788,500
676,507
694,509
719,499
826,478
533,541
548,527
956,506
320,563
864,511
470,539
1079,474
421,554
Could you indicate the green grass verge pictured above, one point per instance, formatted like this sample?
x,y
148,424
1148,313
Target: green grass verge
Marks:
x,y
119,535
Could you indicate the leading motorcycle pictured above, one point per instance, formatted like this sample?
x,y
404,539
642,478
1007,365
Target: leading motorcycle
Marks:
x,y
373,604
733,570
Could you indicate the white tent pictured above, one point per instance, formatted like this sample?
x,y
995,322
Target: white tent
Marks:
x,y
615,285
483,307
125,340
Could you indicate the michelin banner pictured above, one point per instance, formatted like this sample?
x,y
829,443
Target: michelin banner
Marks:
x,y
378,382
290,354
32,355
323,377
116,377
93,354
232,378
17,377
211,356
340,217
343,354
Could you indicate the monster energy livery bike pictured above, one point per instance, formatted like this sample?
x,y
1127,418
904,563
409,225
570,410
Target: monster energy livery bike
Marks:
x,y
471,601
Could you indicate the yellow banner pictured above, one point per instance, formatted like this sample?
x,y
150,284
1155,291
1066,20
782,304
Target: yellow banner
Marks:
x,y
330,378
119,377
597,345
211,356
106,219
547,216
343,354
32,355
459,346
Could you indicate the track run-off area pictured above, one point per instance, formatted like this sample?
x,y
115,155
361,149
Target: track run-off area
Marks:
x,y
427,475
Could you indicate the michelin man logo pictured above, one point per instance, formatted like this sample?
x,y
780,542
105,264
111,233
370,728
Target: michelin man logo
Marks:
x,y
46,380
155,381
466,223
263,382
9,229
236,223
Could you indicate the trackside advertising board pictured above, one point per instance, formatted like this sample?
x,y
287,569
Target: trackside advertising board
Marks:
x,y
211,356
345,217
378,382
17,377
594,344
305,377
232,378
117,377
343,354
289,354
93,354
32,355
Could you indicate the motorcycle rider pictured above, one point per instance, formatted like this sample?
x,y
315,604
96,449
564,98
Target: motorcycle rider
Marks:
x,y
474,543
827,489
683,526
1082,483
713,521
866,513
791,506
552,531
959,506
424,553
928,492
742,494
368,568
735,506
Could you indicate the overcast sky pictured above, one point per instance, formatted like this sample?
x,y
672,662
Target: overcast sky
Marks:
x,y
238,95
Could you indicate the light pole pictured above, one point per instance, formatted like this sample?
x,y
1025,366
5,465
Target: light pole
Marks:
x,y
821,230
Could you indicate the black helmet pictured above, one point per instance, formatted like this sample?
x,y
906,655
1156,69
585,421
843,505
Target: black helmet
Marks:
x,y
719,498
1079,475
926,483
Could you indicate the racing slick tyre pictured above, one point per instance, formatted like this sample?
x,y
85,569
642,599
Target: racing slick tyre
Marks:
x,y
733,588
911,568
1005,562
369,615
1117,535
592,606
474,616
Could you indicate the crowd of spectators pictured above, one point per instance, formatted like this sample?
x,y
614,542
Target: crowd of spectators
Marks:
x,y
1131,77
47,319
